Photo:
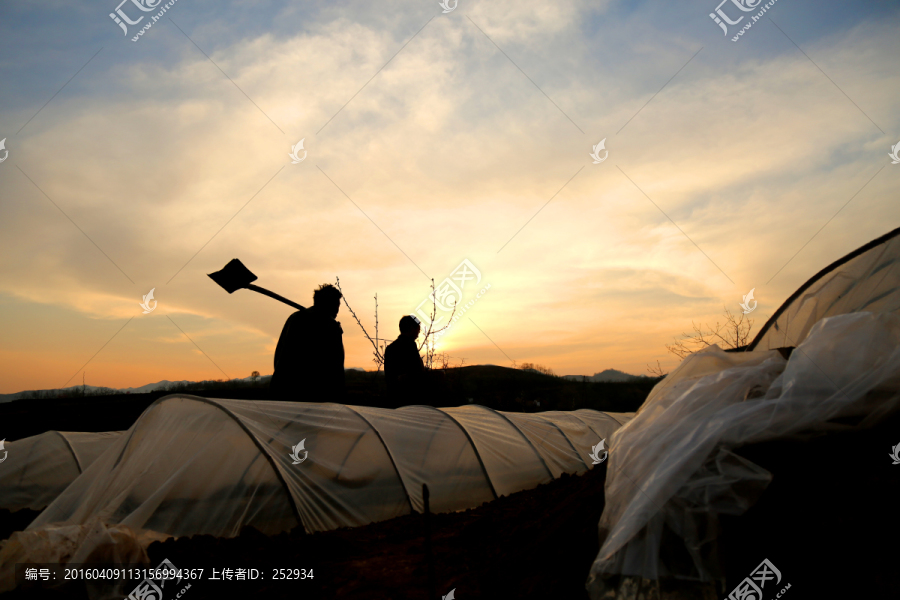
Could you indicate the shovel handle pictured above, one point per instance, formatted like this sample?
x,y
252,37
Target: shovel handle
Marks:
x,y
266,292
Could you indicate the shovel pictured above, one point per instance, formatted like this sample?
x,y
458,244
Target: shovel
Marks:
x,y
235,276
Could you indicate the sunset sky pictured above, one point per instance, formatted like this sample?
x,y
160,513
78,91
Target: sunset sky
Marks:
x,y
431,138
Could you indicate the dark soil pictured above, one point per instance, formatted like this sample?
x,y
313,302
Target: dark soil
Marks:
x,y
829,521
533,544
15,521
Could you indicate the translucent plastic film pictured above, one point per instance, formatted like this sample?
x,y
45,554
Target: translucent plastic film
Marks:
x,y
193,465
868,282
672,467
38,468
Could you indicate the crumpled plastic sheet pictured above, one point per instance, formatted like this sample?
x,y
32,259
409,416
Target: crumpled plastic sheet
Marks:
x,y
91,542
671,470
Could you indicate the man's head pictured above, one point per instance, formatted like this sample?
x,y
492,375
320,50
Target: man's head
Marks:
x,y
409,326
327,299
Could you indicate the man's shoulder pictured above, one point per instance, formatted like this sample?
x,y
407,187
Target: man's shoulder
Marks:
x,y
296,320
313,317
402,344
296,315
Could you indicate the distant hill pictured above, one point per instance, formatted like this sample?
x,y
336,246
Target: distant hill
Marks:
x,y
607,375
91,390
500,388
495,387
69,390
152,387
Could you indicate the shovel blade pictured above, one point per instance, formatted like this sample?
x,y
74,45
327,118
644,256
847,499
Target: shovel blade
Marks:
x,y
235,276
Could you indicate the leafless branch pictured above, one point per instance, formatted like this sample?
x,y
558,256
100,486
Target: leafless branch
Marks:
x,y
656,371
538,368
734,333
429,338
378,352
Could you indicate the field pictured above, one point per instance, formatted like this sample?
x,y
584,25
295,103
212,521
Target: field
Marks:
x,y
827,521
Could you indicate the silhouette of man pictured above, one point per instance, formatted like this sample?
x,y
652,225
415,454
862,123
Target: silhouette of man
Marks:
x,y
309,358
404,370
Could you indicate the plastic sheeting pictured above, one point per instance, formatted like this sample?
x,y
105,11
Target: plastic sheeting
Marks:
x,y
193,465
38,468
671,468
866,280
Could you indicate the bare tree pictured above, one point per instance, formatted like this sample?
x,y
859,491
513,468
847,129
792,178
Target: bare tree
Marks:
x,y
656,371
429,339
377,351
539,368
379,345
445,360
733,333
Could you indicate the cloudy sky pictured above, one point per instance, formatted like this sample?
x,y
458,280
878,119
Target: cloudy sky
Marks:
x,y
429,138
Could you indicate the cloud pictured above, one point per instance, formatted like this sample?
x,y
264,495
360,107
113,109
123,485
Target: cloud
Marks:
x,y
445,154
